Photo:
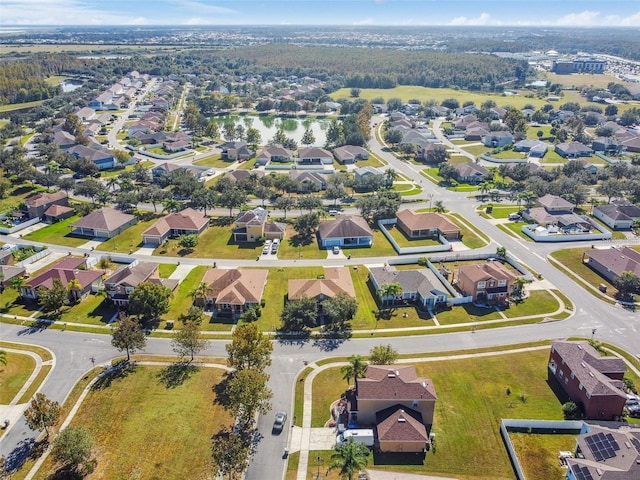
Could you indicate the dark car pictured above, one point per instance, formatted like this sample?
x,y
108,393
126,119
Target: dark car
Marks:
x,y
278,423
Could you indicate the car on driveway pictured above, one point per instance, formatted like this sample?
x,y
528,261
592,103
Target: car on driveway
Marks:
x,y
278,423
336,250
275,245
267,247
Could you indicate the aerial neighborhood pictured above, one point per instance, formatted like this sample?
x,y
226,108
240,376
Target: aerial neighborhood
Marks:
x,y
319,254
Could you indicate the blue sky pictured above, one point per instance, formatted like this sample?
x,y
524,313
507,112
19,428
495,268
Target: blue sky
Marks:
x,y
579,13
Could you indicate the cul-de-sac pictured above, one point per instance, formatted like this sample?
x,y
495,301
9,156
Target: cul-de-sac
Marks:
x,y
279,242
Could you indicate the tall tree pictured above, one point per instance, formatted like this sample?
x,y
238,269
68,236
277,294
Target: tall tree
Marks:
x,y
248,394
188,341
340,309
299,314
72,447
383,355
230,454
149,300
54,298
355,369
42,413
389,292
308,138
349,458
249,348
128,336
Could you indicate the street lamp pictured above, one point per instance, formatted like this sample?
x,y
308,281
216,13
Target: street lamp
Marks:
x,y
319,459
430,198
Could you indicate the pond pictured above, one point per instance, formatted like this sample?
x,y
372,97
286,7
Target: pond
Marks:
x,y
70,85
268,126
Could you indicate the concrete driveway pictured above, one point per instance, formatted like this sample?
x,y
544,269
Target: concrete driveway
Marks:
x,y
181,272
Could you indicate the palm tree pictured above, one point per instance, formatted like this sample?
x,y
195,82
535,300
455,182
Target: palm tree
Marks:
x,y
354,369
391,176
518,286
74,287
387,290
349,458
438,207
172,206
112,182
200,291
18,282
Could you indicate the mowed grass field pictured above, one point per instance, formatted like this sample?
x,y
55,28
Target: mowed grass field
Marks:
x,y
471,401
158,433
14,374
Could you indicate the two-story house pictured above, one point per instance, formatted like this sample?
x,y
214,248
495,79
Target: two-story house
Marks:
x,y
593,381
253,225
489,282
122,282
39,203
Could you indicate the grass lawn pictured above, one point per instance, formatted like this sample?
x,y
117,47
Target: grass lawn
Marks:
x,y
615,234
182,299
403,241
94,309
216,242
214,160
12,304
58,233
20,106
248,165
293,246
553,157
537,302
14,374
508,154
502,211
128,240
515,229
470,237
153,421
466,421
532,132
275,290
572,259
166,269
477,150
380,248
538,453
466,313
16,196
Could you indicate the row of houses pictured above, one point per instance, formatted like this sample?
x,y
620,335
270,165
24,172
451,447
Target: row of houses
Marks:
x,y
347,154
118,94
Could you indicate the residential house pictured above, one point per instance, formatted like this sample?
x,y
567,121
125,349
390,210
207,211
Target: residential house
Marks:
x,y
334,281
122,282
349,154
309,181
606,452
232,291
102,157
236,151
314,156
426,225
399,404
589,379
63,139
276,153
476,130
558,212
631,141
471,173
67,270
345,231
555,204
607,145
56,213
612,262
103,101
159,172
360,174
431,152
144,126
37,204
498,139
105,223
243,175
418,286
253,225
415,138
617,217
185,222
489,282
535,148
85,114
8,273
573,150
461,123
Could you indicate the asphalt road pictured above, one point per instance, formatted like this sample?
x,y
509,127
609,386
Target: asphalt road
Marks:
x,y
613,324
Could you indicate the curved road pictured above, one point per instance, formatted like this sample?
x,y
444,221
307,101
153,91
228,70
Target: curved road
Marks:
x,y
613,324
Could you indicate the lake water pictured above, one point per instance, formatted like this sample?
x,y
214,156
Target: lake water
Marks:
x,y
268,126
70,85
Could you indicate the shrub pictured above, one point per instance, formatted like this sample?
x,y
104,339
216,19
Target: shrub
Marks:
x,y
571,411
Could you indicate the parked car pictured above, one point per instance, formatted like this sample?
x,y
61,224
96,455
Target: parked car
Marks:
x,y
267,247
336,249
275,245
278,423
333,212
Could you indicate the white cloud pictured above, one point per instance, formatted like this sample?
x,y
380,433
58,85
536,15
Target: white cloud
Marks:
x,y
61,12
581,19
364,21
201,7
483,19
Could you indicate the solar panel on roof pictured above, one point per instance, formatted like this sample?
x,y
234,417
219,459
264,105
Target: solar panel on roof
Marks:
x,y
636,443
582,473
602,446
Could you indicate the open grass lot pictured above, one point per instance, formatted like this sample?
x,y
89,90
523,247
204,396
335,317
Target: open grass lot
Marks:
x,y
293,246
466,313
514,229
166,269
94,309
182,299
276,290
216,242
502,211
537,302
470,237
580,80
214,160
407,92
114,172
14,374
16,196
139,438
128,240
538,453
19,106
532,132
403,241
248,165
572,259
58,233
467,421
380,248
476,150
553,157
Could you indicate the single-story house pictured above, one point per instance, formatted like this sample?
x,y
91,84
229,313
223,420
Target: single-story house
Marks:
x,y
607,145
348,154
253,225
56,213
564,220
611,262
425,225
158,172
631,141
555,204
335,280
471,173
63,139
309,181
535,148
243,175
37,204
232,291
497,139
417,285
276,153
345,231
617,217
102,157
105,223
67,270
361,173
314,156
185,222
431,152
573,150
121,283
8,273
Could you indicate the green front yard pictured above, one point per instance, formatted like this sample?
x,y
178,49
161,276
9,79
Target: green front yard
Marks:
x,y
466,420
139,438
128,240
14,374
94,309
403,241
182,298
58,233
213,161
571,258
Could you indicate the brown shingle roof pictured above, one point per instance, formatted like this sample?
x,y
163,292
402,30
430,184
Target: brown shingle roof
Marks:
x,y
399,423
383,382
345,226
45,198
336,280
132,276
104,219
55,210
236,286
426,221
487,271
65,271
187,219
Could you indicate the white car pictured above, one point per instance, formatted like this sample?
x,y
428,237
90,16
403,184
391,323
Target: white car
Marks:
x,y
267,247
275,245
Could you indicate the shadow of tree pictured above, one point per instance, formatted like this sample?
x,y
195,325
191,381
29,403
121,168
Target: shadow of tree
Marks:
x,y
117,372
27,448
220,390
176,374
